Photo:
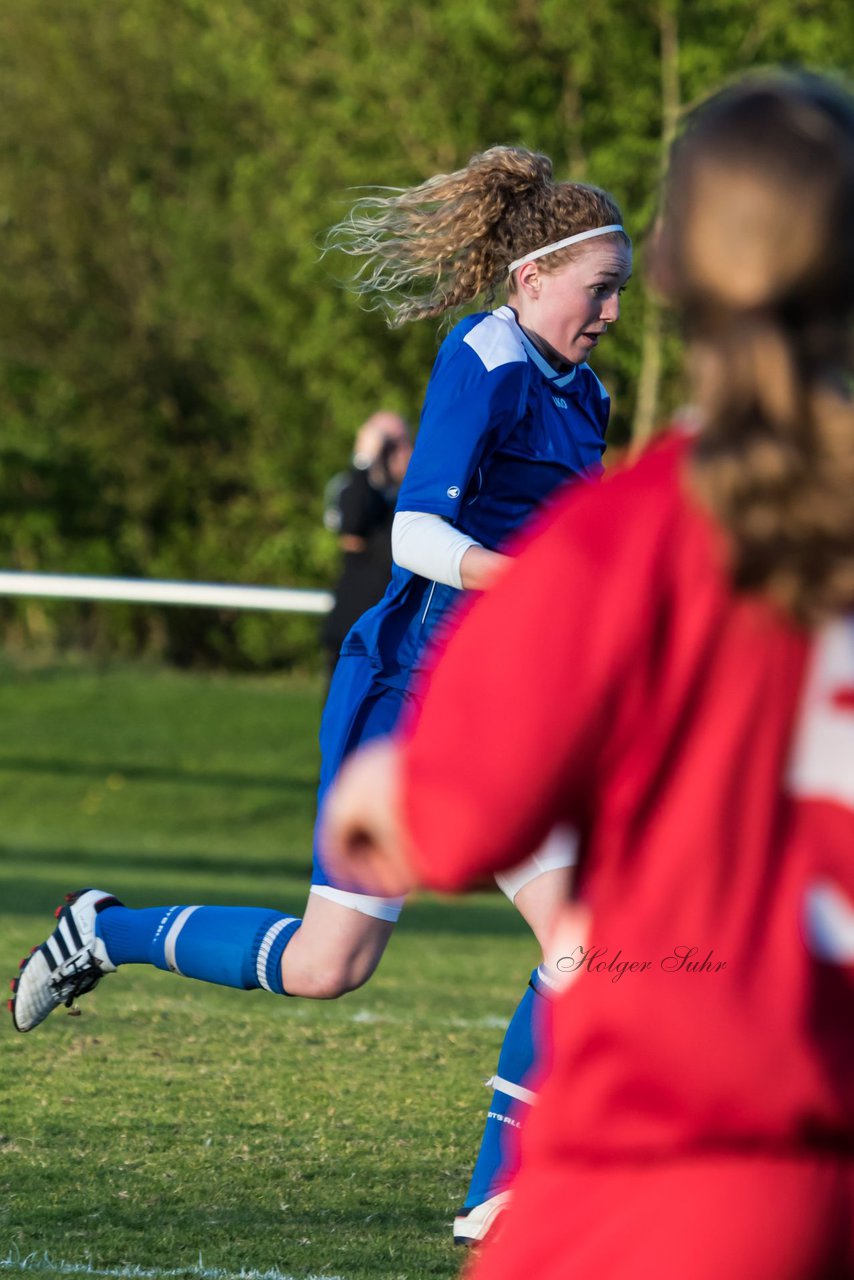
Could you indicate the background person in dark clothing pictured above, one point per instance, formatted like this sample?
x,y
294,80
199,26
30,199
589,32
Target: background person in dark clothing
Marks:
x,y
359,507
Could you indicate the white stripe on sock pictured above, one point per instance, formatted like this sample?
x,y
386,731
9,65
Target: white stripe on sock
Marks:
x,y
266,946
512,1090
171,940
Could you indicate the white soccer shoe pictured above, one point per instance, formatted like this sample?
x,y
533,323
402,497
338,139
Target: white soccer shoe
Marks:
x,y
471,1227
68,964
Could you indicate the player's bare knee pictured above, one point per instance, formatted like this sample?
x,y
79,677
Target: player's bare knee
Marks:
x,y
328,980
334,951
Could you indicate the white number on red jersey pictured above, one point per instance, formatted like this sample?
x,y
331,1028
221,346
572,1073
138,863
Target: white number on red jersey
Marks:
x,y
822,768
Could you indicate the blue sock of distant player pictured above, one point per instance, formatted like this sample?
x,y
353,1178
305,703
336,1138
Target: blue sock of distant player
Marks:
x,y
520,1051
233,946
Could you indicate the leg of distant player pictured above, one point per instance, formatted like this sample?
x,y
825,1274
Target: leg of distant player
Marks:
x,y
337,944
521,1062
332,949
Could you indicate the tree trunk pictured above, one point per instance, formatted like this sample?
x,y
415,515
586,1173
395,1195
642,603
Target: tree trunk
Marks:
x,y
649,382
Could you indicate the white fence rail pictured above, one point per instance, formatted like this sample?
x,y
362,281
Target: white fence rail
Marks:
x,y
202,595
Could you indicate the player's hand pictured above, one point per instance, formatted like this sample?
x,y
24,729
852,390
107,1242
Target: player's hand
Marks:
x,y
361,834
480,568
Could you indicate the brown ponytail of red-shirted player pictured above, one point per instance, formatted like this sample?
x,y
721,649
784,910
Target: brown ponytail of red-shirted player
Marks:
x,y
756,248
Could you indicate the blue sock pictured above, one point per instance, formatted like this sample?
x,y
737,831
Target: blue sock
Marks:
x,y
497,1157
232,946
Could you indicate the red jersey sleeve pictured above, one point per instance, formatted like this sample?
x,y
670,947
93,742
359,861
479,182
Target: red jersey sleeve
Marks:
x,y
518,709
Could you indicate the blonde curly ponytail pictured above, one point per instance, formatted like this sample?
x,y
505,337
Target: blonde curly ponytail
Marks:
x,y
440,245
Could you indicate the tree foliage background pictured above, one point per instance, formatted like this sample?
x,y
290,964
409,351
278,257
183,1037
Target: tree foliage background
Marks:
x,y
180,371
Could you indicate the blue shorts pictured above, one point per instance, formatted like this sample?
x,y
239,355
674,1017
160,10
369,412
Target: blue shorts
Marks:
x,y
359,707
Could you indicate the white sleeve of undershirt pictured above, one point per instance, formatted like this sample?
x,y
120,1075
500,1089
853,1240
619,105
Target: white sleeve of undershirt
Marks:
x,y
427,545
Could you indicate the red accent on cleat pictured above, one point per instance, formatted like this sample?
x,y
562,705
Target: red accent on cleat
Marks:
x,y
58,912
10,1005
25,960
13,985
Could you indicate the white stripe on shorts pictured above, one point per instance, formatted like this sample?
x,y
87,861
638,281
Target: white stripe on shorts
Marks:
x,y
559,849
171,939
269,938
546,976
380,908
512,1090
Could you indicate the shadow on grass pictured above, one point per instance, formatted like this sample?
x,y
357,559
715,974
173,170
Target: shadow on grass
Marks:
x,y
118,863
480,915
97,769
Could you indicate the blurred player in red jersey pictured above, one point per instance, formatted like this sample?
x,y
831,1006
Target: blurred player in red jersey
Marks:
x,y
668,669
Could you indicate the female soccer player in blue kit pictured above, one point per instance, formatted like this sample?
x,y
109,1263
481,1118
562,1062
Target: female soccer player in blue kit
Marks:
x,y
512,411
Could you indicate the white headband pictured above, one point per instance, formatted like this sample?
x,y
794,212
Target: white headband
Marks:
x,y
562,244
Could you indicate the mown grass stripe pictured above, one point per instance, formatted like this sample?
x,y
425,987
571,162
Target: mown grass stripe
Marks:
x,y
42,1262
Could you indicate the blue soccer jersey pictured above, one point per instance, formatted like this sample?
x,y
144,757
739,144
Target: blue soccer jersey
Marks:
x,y
500,431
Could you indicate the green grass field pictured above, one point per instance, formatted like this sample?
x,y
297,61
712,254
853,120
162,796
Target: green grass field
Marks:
x,y
176,1128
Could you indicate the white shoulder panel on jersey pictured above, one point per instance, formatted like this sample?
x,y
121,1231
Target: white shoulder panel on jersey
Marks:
x,y
496,340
